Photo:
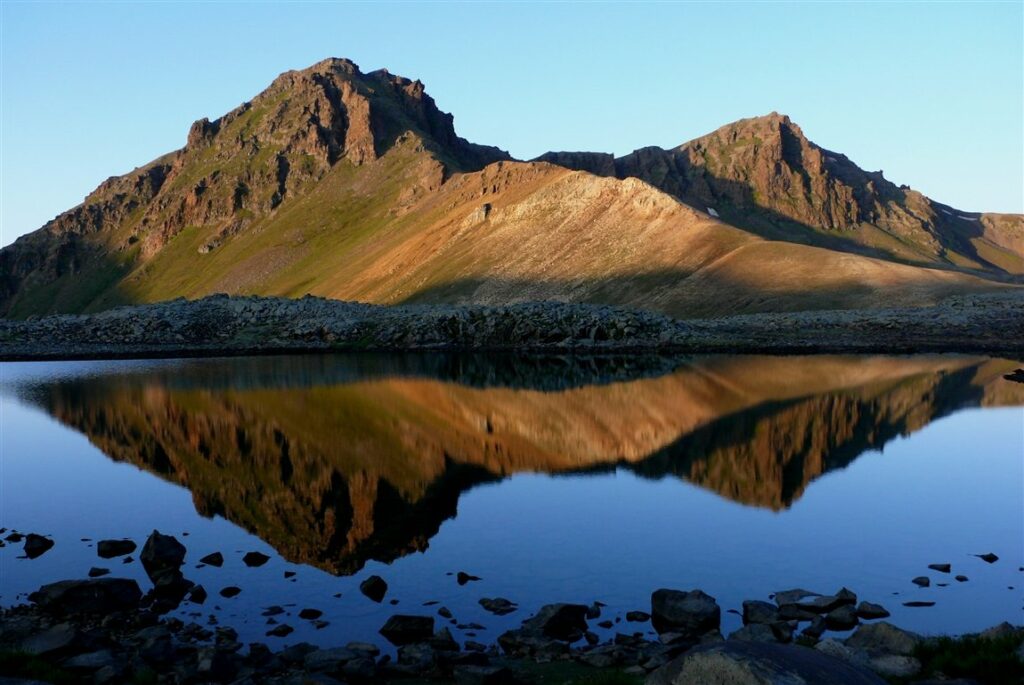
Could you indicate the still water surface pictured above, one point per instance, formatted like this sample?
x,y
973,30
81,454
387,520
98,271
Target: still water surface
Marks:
x,y
552,479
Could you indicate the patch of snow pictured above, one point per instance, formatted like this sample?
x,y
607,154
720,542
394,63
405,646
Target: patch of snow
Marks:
x,y
967,218
948,212
831,159
712,212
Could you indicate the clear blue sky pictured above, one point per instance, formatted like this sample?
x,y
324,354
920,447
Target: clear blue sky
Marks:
x,y
933,93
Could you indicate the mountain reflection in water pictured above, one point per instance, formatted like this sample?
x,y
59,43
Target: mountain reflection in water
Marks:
x,y
338,460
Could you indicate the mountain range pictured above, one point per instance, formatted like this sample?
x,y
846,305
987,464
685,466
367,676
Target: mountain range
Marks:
x,y
355,186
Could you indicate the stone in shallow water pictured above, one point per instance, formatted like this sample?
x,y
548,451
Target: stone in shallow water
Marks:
x,y
961,579
756,611
922,581
96,572
37,545
842,618
462,578
885,638
403,629
108,549
560,621
230,591
690,613
916,604
99,596
869,611
255,559
988,557
941,568
310,614
498,605
374,587
280,630
213,559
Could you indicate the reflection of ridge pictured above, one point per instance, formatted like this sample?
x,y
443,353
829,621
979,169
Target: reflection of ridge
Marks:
x,y
546,372
335,474
767,456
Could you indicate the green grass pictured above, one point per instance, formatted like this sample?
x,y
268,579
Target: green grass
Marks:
x,y
989,661
17,664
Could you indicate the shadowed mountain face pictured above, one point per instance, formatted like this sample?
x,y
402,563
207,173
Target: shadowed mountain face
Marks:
x,y
355,186
338,461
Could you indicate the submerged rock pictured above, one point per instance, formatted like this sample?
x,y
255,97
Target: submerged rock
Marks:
x,y
498,605
162,557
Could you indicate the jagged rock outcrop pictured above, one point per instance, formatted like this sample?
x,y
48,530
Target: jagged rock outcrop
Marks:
x,y
763,173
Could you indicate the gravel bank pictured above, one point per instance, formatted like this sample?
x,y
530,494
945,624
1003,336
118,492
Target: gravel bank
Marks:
x,y
222,325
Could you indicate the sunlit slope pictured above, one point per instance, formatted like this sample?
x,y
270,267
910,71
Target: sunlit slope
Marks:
x,y
520,231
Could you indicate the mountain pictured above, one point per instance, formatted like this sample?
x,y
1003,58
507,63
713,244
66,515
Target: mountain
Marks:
x,y
764,175
334,465
356,186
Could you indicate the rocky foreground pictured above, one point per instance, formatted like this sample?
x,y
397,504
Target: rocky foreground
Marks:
x,y
219,324
106,630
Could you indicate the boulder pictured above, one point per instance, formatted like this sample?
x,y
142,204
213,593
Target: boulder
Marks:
x,y
374,587
37,545
58,639
255,559
755,632
884,638
689,613
108,549
842,618
738,662
559,621
498,605
213,559
869,611
162,557
784,597
755,611
97,596
402,629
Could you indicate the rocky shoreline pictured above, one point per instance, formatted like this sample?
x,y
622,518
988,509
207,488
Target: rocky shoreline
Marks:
x,y
221,325
107,630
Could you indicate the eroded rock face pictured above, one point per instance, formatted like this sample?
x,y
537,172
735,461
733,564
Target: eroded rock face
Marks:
x,y
763,171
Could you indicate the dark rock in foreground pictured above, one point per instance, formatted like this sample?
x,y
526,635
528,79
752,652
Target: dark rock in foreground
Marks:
x,y
108,549
100,596
405,630
691,614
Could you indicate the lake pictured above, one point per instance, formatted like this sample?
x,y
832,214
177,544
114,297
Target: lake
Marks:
x,y
551,478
